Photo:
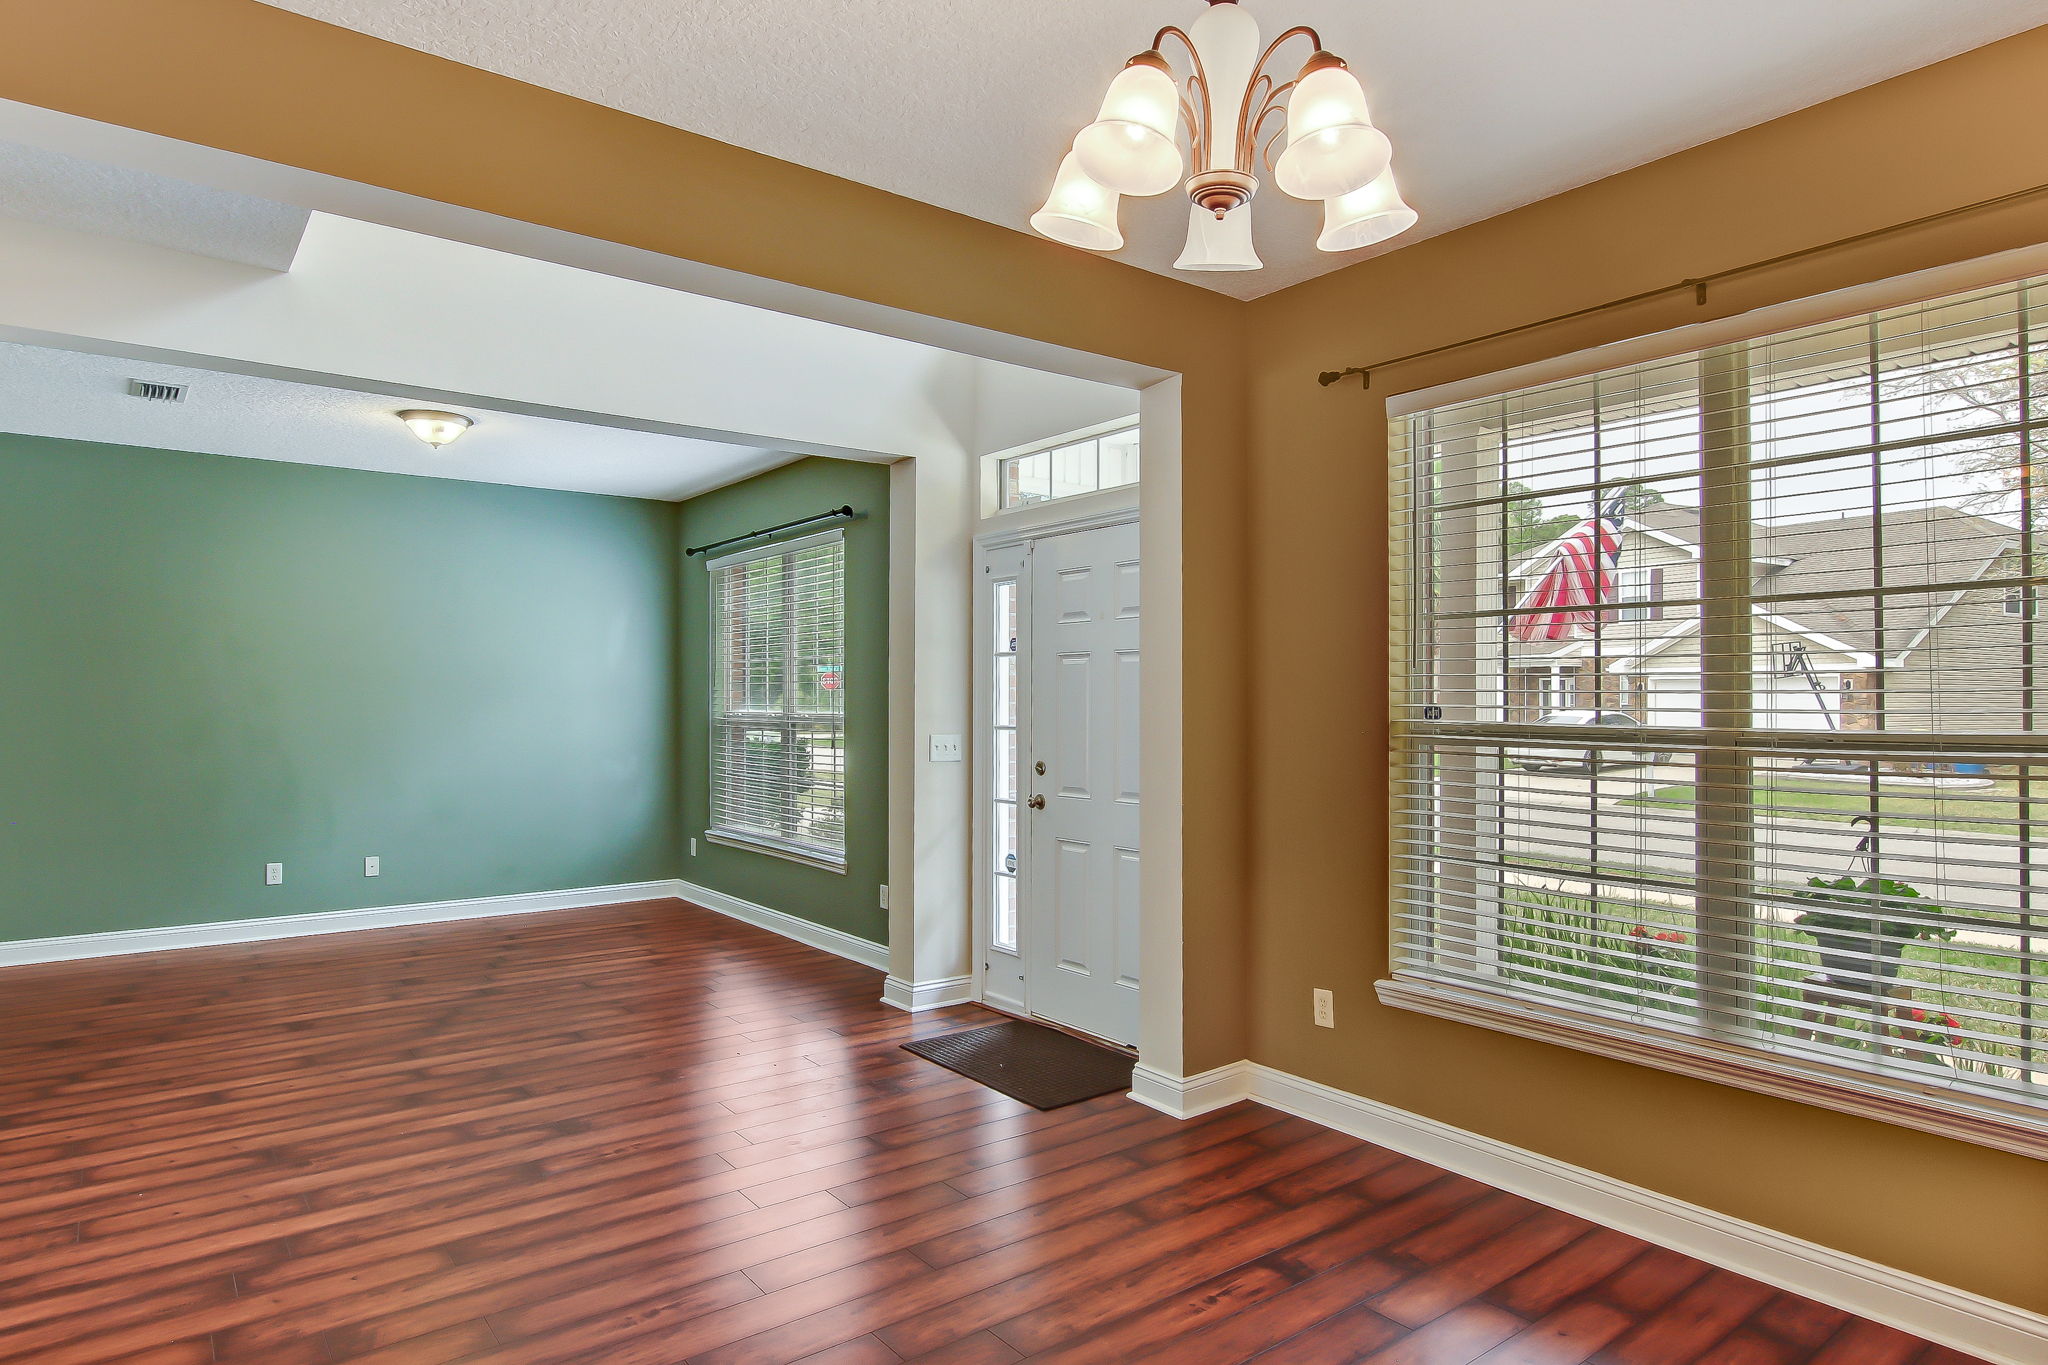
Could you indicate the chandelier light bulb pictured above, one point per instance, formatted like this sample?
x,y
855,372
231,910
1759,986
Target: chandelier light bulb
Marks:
x,y
437,429
1332,147
1079,211
1132,147
1365,217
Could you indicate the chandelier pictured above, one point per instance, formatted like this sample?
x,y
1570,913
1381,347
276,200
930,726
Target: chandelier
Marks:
x,y
1227,100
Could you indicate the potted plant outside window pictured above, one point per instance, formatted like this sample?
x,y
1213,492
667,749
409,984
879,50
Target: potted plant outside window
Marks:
x,y
1857,930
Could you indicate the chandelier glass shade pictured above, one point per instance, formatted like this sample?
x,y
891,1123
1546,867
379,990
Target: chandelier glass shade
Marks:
x,y
1080,211
1219,242
1332,147
1228,106
1365,217
1133,146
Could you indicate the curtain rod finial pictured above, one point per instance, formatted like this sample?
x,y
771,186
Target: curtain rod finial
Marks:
x,y
1329,377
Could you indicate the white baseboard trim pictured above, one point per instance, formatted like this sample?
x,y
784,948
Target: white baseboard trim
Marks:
x,y
1954,1317
927,995
1185,1097
120,942
849,946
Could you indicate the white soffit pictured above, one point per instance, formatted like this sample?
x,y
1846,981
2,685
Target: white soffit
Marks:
x,y
66,191
968,105
77,396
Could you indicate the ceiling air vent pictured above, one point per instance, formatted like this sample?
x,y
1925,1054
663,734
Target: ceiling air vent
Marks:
x,y
155,392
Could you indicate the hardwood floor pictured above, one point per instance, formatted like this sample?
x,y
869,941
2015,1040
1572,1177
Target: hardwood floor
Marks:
x,y
648,1134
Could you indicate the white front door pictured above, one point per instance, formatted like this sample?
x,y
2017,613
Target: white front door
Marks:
x,y
1078,907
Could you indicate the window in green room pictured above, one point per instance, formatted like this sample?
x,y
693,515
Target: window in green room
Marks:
x,y
778,726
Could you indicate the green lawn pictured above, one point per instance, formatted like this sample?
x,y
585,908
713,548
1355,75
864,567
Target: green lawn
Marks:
x,y
1975,810
1550,935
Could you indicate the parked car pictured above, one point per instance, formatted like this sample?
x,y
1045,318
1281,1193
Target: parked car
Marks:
x,y
1583,760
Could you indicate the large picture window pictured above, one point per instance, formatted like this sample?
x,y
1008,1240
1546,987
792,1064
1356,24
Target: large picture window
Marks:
x,y
778,726
1721,687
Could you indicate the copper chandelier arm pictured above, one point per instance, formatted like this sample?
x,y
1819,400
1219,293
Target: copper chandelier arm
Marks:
x,y
1194,110
1298,31
1271,107
1248,123
1267,153
1187,112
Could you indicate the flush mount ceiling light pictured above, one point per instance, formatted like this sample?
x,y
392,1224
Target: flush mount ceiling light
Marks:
x,y
1227,101
437,429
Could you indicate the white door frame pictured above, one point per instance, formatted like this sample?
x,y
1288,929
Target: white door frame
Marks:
x,y
1093,512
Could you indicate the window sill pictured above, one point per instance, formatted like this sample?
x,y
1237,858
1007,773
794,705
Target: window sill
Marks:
x,y
1967,1118
750,844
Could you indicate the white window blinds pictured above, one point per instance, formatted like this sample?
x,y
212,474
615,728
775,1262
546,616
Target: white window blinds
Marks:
x,y
778,728
1721,684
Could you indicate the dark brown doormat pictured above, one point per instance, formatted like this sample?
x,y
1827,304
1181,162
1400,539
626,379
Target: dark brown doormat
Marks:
x,y
1040,1066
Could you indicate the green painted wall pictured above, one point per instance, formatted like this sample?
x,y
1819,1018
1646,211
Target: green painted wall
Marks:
x,y
207,664
848,901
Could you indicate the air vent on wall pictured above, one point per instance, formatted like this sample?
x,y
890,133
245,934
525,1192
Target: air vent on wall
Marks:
x,y
155,392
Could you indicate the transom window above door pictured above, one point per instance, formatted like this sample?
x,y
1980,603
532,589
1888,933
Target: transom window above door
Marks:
x,y
1068,468
1720,681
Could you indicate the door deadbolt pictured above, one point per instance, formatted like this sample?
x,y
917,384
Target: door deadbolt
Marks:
x,y
1039,767
1036,803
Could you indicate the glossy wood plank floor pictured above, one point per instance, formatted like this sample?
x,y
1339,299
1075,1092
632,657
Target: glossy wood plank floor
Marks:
x,y
648,1134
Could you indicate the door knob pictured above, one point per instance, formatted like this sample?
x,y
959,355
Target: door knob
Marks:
x,y
1036,803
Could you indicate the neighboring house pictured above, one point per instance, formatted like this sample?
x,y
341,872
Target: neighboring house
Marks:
x,y
1849,662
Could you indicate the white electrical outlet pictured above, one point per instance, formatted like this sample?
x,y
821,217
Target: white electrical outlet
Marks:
x,y
693,845
885,897
1326,1010
273,874
373,867
947,749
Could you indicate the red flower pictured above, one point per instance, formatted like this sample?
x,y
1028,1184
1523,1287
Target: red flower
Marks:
x,y
1935,1027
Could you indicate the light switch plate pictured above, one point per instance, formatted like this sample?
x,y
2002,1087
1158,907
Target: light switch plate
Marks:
x,y
373,867
947,749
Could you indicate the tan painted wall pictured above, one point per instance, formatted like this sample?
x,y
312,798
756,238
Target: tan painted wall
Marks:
x,y
1951,134
1293,842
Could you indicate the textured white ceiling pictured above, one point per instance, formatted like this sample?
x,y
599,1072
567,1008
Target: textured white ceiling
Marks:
x,y
84,397
968,104
67,191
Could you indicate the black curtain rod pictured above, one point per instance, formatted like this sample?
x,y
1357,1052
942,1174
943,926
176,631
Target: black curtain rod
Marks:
x,y
1698,285
845,513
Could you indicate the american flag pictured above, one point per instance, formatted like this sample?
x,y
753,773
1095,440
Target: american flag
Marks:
x,y
1581,578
